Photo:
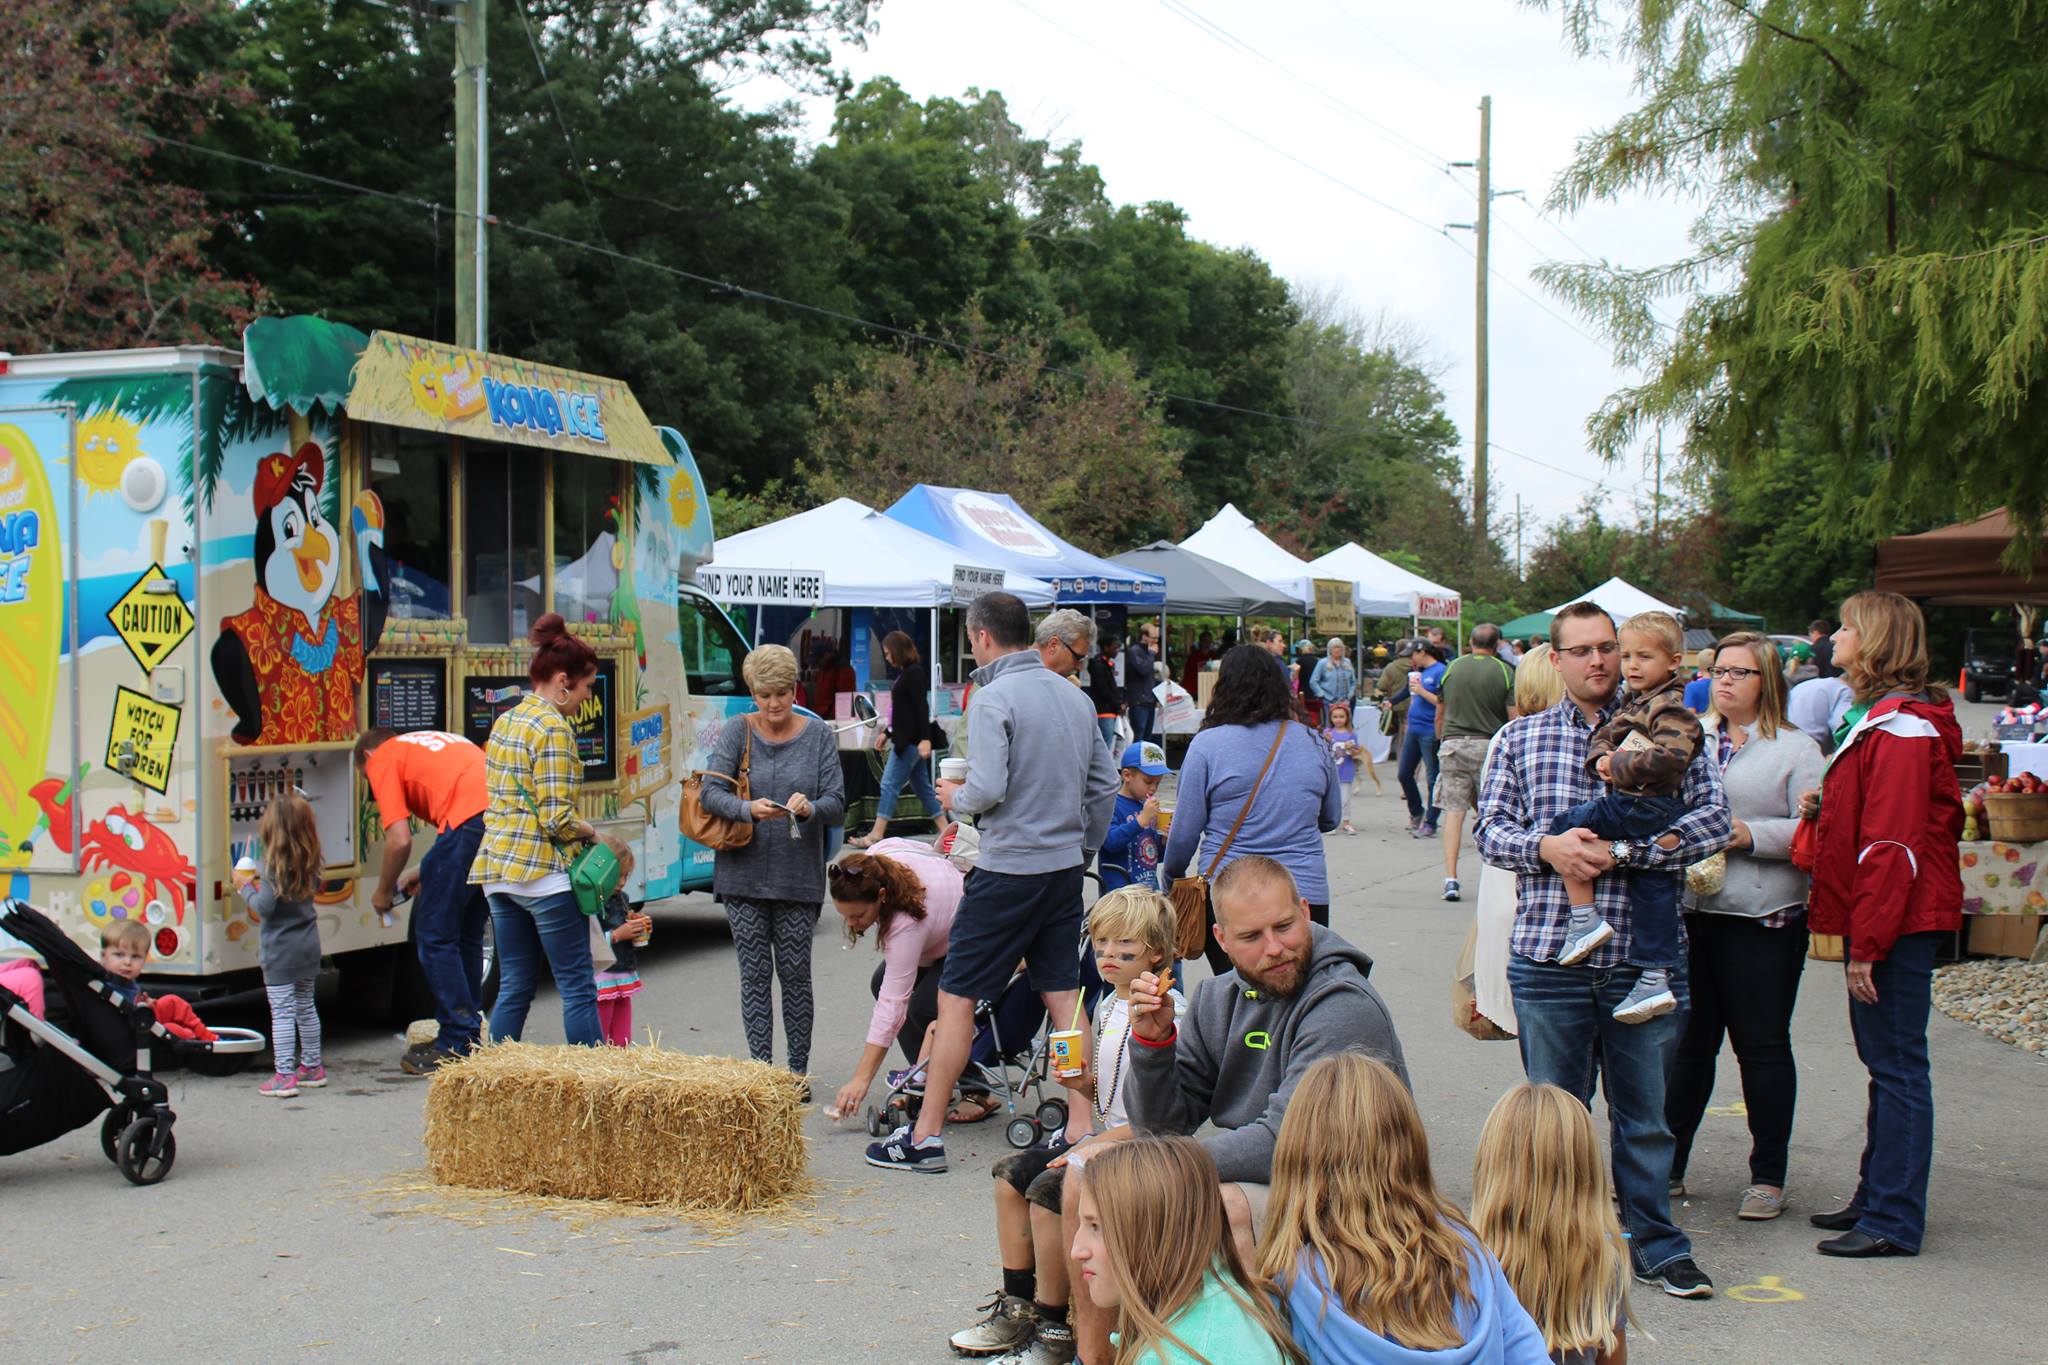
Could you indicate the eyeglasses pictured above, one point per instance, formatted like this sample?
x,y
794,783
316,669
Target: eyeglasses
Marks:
x,y
1603,649
1733,674
1068,646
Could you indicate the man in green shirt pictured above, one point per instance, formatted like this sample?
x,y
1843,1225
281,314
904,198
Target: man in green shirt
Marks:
x,y
1478,692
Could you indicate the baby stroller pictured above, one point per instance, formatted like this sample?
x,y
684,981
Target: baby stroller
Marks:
x,y
53,1081
1013,1069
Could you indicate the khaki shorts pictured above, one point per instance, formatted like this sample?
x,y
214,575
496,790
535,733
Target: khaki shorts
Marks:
x,y
1459,761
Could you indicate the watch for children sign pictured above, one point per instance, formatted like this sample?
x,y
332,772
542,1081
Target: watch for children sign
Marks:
x,y
141,738
151,621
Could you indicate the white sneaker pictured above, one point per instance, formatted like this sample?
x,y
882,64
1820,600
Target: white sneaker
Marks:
x,y
1007,1327
1579,944
1651,997
1451,888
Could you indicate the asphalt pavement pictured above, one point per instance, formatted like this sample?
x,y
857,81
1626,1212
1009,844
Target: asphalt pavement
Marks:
x,y
287,1230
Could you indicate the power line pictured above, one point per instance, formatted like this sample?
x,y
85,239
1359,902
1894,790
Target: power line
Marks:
x,y
1511,282
1239,129
1388,44
1545,464
1392,136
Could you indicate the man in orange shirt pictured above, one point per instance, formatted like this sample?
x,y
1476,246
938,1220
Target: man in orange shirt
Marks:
x,y
439,778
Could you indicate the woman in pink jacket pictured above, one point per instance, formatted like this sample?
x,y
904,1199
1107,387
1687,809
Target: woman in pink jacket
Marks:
x,y
910,891
1886,879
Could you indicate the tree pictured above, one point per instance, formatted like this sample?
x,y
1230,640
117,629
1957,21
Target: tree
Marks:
x,y
1087,454
1872,257
97,249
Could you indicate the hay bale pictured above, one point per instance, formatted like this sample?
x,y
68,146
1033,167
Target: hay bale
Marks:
x,y
636,1125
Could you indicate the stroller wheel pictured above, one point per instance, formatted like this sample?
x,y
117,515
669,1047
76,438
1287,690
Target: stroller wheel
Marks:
x,y
875,1127
132,1152
1021,1132
118,1118
1052,1115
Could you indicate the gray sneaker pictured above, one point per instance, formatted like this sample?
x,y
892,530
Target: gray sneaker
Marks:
x,y
1581,937
1007,1327
1651,997
1051,1344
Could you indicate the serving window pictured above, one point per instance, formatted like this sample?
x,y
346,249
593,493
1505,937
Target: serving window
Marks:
x,y
409,473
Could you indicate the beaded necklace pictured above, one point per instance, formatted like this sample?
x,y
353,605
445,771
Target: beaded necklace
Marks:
x,y
1102,1106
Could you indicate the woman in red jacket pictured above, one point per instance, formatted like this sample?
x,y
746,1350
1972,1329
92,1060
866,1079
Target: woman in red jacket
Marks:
x,y
1886,879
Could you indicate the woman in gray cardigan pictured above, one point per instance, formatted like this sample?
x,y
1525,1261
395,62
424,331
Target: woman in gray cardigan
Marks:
x,y
774,885
1748,941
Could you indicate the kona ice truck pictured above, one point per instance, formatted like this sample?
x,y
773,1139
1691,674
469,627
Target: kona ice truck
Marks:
x,y
217,568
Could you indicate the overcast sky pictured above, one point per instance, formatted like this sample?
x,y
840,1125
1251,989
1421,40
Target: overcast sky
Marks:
x,y
1147,101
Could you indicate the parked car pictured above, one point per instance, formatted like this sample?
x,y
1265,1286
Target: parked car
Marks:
x,y
1987,662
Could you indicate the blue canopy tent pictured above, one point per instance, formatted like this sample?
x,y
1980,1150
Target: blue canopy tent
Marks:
x,y
996,531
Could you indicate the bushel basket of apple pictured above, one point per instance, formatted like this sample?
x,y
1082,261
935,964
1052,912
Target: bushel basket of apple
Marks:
x,y
2016,809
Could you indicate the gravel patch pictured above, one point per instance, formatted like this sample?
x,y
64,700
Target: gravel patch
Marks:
x,y
2008,1000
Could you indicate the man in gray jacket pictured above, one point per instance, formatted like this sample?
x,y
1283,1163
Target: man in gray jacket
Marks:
x,y
1042,787
1298,994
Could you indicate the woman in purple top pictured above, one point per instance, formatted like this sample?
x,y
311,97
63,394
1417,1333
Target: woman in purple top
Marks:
x,y
1299,801
912,892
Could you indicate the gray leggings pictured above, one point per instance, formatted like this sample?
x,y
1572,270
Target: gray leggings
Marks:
x,y
294,1026
774,940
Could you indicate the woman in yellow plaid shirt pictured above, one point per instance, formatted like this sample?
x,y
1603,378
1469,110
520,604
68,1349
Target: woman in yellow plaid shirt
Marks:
x,y
531,829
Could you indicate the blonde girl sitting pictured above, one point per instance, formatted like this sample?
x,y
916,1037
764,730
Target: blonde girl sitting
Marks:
x,y
1373,1264
1154,1245
1540,1202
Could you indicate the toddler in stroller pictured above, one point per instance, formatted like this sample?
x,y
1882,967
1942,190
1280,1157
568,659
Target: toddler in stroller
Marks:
x,y
55,1079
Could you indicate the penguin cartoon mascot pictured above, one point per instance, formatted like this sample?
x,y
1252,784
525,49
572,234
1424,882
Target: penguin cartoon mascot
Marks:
x,y
291,665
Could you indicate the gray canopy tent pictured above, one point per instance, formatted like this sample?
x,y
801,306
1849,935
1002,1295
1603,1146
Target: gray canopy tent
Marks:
x,y
1199,586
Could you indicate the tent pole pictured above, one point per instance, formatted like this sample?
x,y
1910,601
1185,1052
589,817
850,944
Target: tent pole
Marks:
x,y
932,670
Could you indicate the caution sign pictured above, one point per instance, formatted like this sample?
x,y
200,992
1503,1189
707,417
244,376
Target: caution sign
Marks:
x,y
151,622
141,738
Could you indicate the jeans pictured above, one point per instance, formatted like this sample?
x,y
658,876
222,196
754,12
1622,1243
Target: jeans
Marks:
x,y
1141,719
1745,980
1566,1015
1418,747
448,922
531,929
1652,895
1898,1143
1108,726
905,767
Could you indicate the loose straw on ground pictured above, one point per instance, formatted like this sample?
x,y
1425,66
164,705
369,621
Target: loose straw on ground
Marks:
x,y
634,1125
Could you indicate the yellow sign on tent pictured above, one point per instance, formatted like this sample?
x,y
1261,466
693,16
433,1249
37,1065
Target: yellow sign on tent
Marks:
x,y
1334,615
151,621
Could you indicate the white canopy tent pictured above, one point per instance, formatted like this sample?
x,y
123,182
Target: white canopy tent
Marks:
x,y
864,560
1621,600
1385,588
1230,538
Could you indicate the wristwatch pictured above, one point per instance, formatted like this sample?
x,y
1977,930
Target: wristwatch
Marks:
x,y
1624,852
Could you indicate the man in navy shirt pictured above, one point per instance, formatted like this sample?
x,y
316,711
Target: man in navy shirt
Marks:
x,y
1419,744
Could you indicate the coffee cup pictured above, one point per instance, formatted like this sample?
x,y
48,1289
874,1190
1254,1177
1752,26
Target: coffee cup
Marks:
x,y
952,770
1069,1057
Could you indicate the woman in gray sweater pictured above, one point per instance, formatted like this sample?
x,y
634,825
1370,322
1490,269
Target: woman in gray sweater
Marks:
x,y
774,885
1748,941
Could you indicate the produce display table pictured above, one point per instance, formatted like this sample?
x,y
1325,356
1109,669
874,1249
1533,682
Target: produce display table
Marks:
x,y
2000,878
2005,889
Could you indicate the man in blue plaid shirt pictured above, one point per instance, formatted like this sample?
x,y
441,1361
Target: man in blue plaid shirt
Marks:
x,y
1566,1014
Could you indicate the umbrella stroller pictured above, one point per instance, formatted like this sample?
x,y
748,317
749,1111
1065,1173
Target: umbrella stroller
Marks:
x,y
53,1081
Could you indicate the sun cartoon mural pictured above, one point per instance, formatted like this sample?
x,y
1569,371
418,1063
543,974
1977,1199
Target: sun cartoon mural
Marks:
x,y
446,387
107,444
291,664
682,498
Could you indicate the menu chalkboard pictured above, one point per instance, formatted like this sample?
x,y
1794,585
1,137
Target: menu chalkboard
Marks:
x,y
485,697
596,724
408,695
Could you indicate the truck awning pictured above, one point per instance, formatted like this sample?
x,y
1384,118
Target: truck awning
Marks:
x,y
300,362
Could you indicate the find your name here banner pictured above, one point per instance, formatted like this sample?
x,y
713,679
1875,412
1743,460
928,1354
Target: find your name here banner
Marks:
x,y
764,587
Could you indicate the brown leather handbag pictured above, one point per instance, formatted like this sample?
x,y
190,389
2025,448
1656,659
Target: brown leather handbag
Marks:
x,y
1190,895
715,832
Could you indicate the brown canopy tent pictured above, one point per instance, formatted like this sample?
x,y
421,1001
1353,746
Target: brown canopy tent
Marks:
x,y
1961,565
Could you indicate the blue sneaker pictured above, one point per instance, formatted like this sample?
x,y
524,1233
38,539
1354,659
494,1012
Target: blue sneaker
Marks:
x,y
896,1152
1581,937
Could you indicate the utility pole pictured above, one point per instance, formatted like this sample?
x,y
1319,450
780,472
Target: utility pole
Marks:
x,y
1657,496
1518,535
472,179
1481,235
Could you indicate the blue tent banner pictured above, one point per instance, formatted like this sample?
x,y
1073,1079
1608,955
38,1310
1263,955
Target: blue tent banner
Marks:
x,y
992,529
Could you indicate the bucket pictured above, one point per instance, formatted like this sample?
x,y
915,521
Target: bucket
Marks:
x,y
2017,817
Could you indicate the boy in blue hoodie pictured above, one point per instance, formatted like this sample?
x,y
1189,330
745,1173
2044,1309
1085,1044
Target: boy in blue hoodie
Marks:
x,y
1132,848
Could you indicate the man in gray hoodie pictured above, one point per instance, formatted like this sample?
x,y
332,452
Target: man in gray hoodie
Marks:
x,y
1298,994
1041,786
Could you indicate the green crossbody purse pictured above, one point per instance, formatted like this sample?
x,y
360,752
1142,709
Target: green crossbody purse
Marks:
x,y
594,874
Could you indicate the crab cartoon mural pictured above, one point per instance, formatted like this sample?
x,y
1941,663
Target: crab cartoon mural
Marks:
x,y
130,844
